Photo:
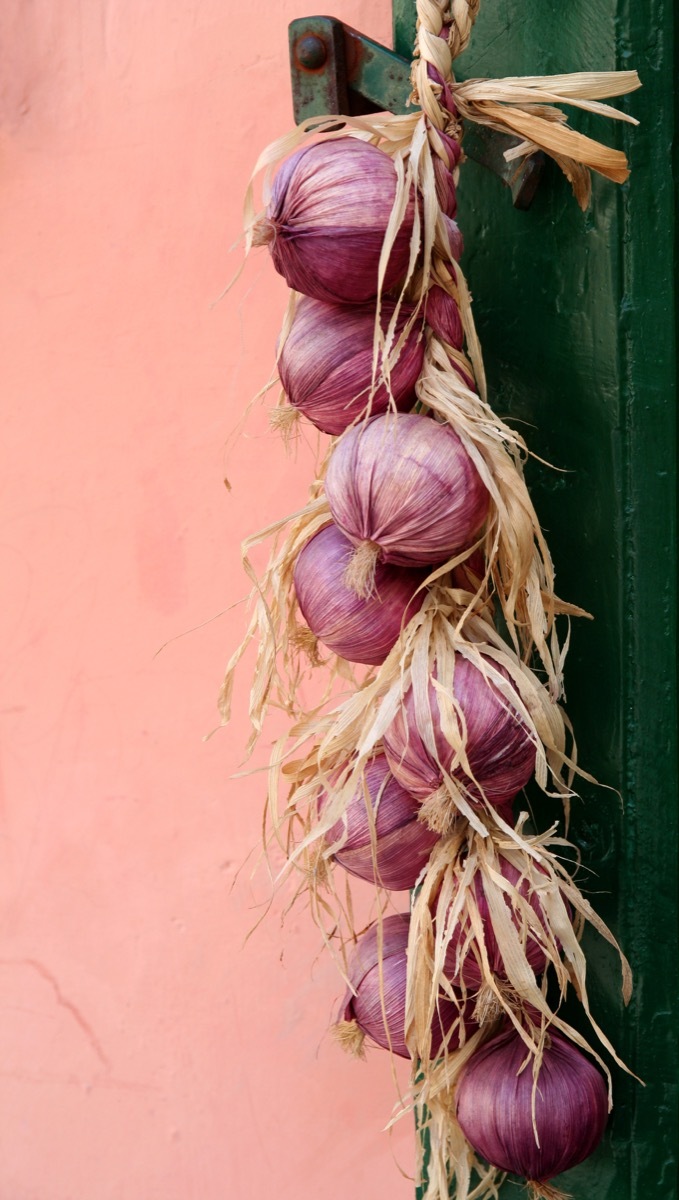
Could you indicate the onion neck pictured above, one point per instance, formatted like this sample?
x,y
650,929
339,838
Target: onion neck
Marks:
x,y
350,1037
545,1191
264,232
438,812
305,639
488,1007
360,573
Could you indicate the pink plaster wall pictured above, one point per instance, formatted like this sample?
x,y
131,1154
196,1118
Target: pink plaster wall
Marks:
x,y
145,1053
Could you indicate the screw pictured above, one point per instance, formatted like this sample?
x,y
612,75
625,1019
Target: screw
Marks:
x,y
312,52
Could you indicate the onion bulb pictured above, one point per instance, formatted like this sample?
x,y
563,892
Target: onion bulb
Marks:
x,y
327,218
464,965
495,1097
402,844
326,362
499,749
404,490
382,994
360,629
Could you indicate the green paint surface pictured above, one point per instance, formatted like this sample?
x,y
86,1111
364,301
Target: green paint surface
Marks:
x,y
576,315
577,320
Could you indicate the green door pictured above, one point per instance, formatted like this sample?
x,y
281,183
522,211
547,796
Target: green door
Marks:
x,y
576,317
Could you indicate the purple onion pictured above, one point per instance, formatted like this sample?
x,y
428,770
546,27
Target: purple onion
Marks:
x,y
443,315
495,1099
499,748
403,488
325,224
326,364
360,629
365,1008
402,843
468,970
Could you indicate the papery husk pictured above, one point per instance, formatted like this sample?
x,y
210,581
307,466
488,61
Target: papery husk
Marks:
x,y
446,1164
520,570
445,896
295,827
545,1191
518,106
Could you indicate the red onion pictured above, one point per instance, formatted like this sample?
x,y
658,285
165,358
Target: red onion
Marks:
x,y
499,749
443,315
364,1009
402,843
326,364
325,224
495,1107
360,629
469,969
403,489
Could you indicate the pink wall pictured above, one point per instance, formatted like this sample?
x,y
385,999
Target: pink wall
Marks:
x,y
145,1053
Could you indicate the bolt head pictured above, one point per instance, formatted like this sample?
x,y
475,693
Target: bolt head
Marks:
x,y
311,52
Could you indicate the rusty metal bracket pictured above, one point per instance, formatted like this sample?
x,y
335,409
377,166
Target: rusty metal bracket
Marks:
x,y
335,69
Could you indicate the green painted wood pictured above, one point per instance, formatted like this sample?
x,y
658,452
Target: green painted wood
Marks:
x,y
576,314
404,23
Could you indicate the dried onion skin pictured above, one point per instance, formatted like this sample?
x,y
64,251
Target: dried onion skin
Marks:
x,y
499,748
402,843
361,629
495,1106
326,362
328,214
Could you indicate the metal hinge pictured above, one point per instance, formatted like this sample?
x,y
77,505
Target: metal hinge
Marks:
x,y
335,69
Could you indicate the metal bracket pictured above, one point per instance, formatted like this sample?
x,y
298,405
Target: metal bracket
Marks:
x,y
335,69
